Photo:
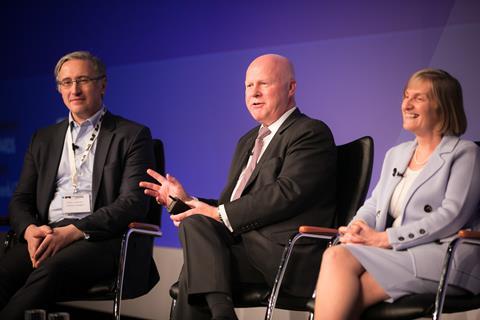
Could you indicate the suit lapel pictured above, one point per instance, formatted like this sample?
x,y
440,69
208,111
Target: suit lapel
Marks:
x,y
55,151
245,153
434,164
239,162
101,152
273,144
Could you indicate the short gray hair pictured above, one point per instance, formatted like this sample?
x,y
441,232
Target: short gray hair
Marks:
x,y
98,65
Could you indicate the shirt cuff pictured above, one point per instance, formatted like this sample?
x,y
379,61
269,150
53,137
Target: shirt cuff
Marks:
x,y
223,215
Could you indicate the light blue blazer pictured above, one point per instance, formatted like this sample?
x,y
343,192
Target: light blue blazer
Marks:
x,y
444,198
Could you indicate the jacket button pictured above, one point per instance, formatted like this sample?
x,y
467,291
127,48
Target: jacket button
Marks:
x,y
401,238
427,208
411,235
378,212
422,231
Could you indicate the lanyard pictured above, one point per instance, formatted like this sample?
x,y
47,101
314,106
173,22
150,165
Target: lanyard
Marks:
x,y
85,154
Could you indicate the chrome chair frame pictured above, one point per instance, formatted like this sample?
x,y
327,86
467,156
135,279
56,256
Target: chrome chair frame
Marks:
x,y
463,236
134,228
323,233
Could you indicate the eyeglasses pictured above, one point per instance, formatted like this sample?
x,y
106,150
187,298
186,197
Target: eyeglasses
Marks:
x,y
82,81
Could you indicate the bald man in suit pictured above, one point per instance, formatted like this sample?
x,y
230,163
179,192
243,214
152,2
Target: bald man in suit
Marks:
x,y
240,237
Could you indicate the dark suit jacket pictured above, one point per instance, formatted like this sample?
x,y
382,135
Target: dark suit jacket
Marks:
x,y
124,151
293,184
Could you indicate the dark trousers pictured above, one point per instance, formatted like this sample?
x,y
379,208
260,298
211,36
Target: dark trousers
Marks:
x,y
214,261
72,269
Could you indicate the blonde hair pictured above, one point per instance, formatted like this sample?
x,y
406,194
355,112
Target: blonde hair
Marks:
x,y
447,93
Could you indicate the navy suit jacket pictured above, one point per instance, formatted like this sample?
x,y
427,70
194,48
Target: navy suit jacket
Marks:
x,y
124,151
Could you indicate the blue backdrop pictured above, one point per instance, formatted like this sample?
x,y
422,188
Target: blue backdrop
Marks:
x,y
179,68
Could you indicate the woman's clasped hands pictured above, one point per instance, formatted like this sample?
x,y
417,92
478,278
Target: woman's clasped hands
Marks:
x,y
359,232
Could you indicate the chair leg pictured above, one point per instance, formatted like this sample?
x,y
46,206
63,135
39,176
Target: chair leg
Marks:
x,y
442,286
172,308
272,301
287,253
311,314
117,300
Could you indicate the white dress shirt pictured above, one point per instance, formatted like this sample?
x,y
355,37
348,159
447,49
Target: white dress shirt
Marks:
x,y
81,134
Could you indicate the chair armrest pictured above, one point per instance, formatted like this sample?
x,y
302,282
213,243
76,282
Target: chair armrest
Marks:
x,y
144,226
318,230
468,234
463,236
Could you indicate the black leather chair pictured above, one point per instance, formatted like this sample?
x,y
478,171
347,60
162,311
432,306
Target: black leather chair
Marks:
x,y
135,276
354,167
416,305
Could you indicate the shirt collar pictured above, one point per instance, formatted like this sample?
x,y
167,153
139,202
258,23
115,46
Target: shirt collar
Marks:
x,y
93,120
276,125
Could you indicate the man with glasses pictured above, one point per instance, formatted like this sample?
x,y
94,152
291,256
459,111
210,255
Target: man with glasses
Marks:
x,y
76,195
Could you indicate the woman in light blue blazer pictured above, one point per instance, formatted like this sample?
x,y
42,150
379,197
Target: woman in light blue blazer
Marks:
x,y
428,190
